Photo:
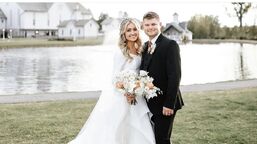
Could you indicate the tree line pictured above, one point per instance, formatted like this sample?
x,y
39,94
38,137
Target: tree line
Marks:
x,y
208,26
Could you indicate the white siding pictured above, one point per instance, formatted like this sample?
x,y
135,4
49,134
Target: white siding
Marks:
x,y
68,32
91,29
34,20
114,25
2,23
58,13
12,11
21,22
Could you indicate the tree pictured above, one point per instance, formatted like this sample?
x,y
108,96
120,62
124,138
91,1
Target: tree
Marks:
x,y
204,26
101,18
241,8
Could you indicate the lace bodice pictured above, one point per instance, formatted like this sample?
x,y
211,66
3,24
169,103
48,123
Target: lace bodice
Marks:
x,y
133,64
122,63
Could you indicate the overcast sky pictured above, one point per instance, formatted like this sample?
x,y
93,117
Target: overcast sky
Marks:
x,y
166,8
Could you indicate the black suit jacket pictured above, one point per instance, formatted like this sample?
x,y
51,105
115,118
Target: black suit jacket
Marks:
x,y
165,67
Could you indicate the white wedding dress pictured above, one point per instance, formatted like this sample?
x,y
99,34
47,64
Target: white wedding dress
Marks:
x,y
113,120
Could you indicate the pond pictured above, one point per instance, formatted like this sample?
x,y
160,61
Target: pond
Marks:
x,y
86,68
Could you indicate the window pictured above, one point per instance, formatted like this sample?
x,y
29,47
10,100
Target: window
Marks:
x,y
79,32
70,31
62,32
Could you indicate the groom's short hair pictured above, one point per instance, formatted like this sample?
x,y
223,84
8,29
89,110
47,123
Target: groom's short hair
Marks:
x,y
151,15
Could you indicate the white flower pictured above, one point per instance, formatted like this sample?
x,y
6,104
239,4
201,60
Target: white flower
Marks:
x,y
143,73
138,84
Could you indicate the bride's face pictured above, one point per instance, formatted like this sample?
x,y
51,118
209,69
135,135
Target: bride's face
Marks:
x,y
131,32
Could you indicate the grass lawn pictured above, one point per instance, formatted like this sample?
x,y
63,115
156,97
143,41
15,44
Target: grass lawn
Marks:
x,y
217,41
216,117
32,42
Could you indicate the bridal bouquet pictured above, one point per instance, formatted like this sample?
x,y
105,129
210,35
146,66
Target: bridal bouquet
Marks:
x,y
136,84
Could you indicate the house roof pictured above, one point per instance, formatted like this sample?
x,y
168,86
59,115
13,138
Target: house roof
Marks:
x,y
78,23
78,6
174,25
64,23
107,21
110,20
2,15
81,22
35,7
44,7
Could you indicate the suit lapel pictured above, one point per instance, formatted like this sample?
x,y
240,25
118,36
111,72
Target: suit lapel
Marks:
x,y
148,57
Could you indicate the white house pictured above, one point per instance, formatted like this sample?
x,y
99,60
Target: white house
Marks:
x,y
2,23
78,29
110,23
41,19
177,30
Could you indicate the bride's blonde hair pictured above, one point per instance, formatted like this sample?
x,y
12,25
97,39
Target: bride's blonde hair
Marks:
x,y
123,41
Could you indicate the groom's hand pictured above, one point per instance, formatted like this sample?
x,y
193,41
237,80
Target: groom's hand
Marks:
x,y
167,111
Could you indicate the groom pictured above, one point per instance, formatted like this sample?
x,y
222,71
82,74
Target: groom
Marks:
x,y
161,58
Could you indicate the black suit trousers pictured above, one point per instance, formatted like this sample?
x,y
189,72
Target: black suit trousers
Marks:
x,y
163,127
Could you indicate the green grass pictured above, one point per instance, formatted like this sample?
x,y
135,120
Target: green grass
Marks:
x,y
217,41
32,42
218,117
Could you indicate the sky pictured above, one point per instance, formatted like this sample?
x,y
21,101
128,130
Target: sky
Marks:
x,y
166,8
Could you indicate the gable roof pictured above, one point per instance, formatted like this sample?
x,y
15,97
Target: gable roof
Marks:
x,y
2,15
44,7
79,7
174,25
78,23
177,27
109,20
81,22
64,23
35,7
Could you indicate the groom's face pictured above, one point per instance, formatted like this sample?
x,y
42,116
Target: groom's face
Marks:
x,y
152,27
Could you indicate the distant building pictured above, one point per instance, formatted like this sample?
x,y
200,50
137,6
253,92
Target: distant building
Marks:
x,y
3,19
41,19
110,23
177,30
78,29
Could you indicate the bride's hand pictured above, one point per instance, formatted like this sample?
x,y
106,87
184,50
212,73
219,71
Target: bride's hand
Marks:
x,y
130,97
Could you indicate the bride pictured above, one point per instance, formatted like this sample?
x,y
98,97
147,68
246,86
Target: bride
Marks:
x,y
114,120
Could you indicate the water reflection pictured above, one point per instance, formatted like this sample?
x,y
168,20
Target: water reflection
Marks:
x,y
243,69
207,63
40,70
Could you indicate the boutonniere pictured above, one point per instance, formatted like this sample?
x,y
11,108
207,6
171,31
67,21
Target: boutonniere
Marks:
x,y
152,48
